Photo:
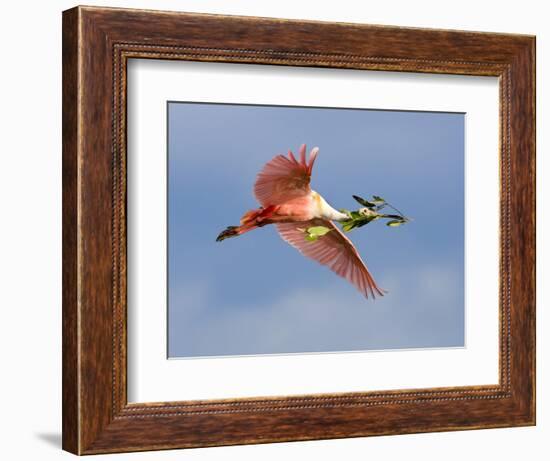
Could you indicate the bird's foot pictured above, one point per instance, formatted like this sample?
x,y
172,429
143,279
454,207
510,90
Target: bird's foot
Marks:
x,y
230,231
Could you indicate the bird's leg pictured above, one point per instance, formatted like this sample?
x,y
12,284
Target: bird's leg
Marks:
x,y
252,219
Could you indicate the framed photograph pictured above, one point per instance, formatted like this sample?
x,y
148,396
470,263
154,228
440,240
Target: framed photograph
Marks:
x,y
281,230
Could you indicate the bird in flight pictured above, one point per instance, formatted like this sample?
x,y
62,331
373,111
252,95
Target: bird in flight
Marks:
x,y
305,220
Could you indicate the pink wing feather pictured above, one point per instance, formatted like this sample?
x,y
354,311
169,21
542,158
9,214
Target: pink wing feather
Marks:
x,y
284,178
333,250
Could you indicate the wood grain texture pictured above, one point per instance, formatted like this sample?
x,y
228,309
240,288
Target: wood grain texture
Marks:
x,y
97,43
70,364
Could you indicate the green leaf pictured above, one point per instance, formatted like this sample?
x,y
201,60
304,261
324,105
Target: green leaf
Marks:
x,y
347,226
315,232
395,223
363,202
377,199
318,231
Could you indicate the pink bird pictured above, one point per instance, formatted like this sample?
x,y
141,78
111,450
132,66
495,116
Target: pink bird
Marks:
x,y
287,201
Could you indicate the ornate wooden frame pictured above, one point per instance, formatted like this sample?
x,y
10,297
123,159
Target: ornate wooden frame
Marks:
x,y
97,43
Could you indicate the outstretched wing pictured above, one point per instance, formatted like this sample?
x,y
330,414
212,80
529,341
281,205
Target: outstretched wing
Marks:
x,y
284,178
333,250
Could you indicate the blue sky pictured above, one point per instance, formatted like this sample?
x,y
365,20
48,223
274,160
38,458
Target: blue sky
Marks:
x,y
257,295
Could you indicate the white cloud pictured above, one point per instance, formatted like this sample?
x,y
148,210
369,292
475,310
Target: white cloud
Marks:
x,y
329,318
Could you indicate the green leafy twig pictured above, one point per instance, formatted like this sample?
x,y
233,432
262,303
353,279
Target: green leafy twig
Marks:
x,y
370,212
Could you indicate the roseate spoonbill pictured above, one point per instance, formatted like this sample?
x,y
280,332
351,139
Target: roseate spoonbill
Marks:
x,y
283,189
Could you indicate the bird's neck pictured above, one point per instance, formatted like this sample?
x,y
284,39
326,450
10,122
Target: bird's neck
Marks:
x,y
325,211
